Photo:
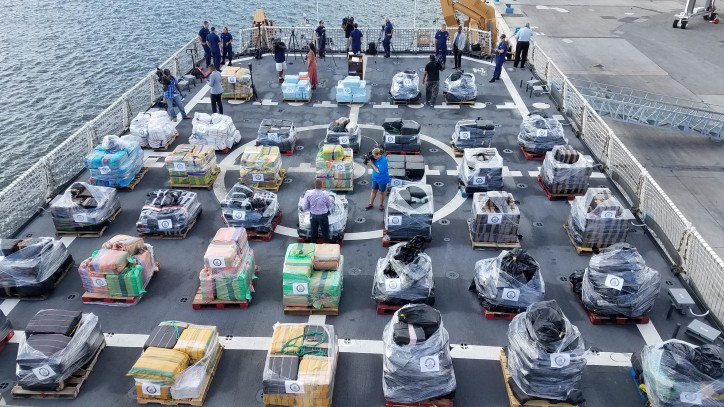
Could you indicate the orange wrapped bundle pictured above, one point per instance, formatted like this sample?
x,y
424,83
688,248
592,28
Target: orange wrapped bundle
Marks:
x,y
126,243
109,261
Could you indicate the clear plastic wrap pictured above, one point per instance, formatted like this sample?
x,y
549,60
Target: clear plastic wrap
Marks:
x,y
496,217
300,366
337,217
401,135
335,167
5,326
61,355
481,169
191,165
598,219
404,275
84,207
277,132
405,86
160,130
618,282
33,268
352,89
168,212
460,87
566,171
122,268
345,133
545,353
510,282
250,208
236,83
416,365
476,133
260,166
679,374
139,128
538,134
114,163
409,212
214,130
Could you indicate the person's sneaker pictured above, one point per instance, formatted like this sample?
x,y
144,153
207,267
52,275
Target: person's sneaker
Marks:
x,y
491,81
382,208
369,206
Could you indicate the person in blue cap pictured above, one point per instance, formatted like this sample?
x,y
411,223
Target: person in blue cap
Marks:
x,y
500,54
203,33
356,36
214,43
441,37
226,39
389,30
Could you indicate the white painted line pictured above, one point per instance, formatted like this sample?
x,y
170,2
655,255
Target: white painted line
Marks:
x,y
507,105
303,168
8,305
452,173
447,106
478,105
246,343
354,113
428,171
125,340
513,90
416,106
533,173
384,105
649,333
266,102
67,240
325,103
362,346
598,175
205,100
317,319
515,173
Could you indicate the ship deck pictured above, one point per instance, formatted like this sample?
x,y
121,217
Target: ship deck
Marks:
x,y
246,332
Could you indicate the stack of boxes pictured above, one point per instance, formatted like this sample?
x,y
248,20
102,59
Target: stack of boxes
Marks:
x,y
277,132
297,87
566,171
260,167
473,134
401,135
191,165
236,82
598,219
495,218
229,267
334,166
300,366
481,169
121,268
215,130
407,167
312,275
114,163
352,89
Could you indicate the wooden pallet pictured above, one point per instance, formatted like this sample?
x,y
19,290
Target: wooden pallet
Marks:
x,y
68,389
383,308
460,102
170,237
6,340
311,311
247,97
443,402
582,250
88,233
104,299
135,180
252,234
205,385
489,245
199,303
298,100
531,403
271,186
456,151
403,152
498,315
405,102
290,152
67,265
214,173
597,319
167,145
531,156
552,197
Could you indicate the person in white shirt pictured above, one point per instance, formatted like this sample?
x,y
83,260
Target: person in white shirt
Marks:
x,y
521,49
458,46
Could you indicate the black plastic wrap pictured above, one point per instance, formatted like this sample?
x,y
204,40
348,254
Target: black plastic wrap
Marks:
x,y
277,132
337,217
538,135
401,135
168,212
481,169
409,212
250,208
416,365
510,282
84,207
476,133
545,354
405,86
5,326
33,269
404,275
496,217
460,87
345,133
566,171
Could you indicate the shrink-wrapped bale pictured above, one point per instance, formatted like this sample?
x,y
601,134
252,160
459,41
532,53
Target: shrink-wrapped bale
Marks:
x,y
334,166
460,87
160,130
566,171
191,165
409,212
236,83
5,326
473,134
481,169
496,217
337,217
260,167
510,282
114,163
401,135
345,133
168,212
250,208
84,207
405,86
30,268
416,365
277,132
538,134
598,219
215,130
618,282
139,128
404,275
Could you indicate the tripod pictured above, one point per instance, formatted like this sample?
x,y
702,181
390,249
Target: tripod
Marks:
x,y
380,41
294,44
257,53
254,97
330,46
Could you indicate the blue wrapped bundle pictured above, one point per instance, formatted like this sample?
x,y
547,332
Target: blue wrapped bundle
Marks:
x,y
114,163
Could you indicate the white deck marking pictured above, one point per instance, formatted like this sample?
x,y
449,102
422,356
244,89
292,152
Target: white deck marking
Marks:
x,y
507,105
317,319
325,103
205,100
67,240
266,102
8,304
478,105
649,332
452,173
513,90
354,113
384,105
419,106
447,106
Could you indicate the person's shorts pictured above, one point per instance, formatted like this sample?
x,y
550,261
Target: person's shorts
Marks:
x,y
379,187
281,66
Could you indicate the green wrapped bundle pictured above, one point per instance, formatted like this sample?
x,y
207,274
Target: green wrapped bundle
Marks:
x,y
325,288
233,288
127,284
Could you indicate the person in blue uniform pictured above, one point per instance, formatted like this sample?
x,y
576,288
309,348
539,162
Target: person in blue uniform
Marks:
x,y
321,32
500,54
214,43
356,36
441,37
226,39
389,30
280,59
203,33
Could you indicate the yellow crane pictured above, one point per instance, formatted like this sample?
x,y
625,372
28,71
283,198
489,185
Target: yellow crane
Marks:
x,y
480,15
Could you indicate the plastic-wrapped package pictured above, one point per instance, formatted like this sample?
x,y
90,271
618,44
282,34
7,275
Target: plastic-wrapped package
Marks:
x,y
277,132
168,212
45,361
229,267
300,366
496,217
409,167
296,87
618,282
538,134
236,83
460,87
139,128
401,135
598,219
545,354
352,89
481,169
160,130
84,207
114,163
214,130
250,208
405,86
191,165
510,282
476,133
334,166
5,326
337,217
260,166
409,212
122,268
566,171
404,275
679,374
416,365
345,133
33,267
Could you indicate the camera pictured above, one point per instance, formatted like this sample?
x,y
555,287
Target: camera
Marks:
x,y
369,157
159,75
346,21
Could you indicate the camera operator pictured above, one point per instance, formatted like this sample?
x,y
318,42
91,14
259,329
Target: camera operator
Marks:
x,y
348,26
171,97
321,38
380,177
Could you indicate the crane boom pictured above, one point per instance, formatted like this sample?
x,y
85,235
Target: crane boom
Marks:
x,y
480,15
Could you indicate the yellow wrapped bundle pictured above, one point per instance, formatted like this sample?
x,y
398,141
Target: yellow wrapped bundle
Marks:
x,y
160,365
196,341
283,333
315,370
260,164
